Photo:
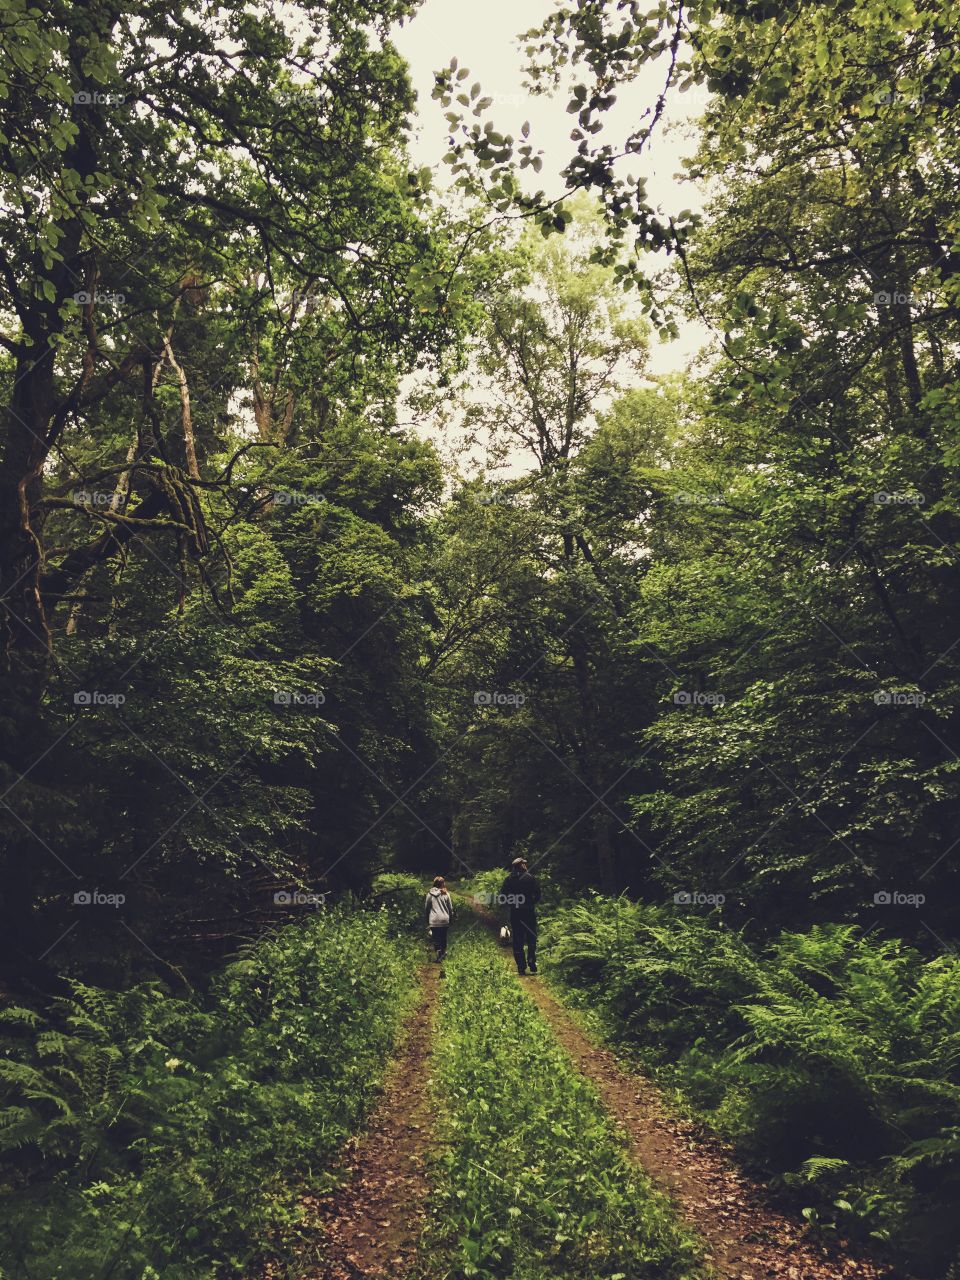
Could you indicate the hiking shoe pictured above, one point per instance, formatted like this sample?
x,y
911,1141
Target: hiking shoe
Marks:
x,y
533,968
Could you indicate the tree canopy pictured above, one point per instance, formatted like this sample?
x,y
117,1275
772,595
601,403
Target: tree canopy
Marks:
x,y
666,633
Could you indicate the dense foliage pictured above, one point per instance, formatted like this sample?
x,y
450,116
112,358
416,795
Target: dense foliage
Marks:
x,y
829,1058
691,637
727,616
216,267
678,634
172,1135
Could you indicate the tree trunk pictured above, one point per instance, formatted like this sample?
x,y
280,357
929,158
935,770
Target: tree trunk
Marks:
x,y
25,637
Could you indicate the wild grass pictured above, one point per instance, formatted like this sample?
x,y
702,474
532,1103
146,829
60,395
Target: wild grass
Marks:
x,y
146,1136
531,1181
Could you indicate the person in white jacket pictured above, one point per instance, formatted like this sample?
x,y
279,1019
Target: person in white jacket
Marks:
x,y
438,908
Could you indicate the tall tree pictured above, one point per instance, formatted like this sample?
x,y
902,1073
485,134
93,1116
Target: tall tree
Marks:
x,y
219,256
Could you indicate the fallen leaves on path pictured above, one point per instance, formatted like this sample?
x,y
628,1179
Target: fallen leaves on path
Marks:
x,y
369,1227
747,1236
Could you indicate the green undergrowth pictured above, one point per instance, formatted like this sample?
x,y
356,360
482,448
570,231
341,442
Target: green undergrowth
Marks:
x,y
532,1182
831,1060
147,1137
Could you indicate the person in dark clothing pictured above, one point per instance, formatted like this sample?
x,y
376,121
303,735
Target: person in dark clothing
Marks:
x,y
521,893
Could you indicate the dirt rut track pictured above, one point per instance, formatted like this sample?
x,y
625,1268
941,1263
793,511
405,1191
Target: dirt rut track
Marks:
x,y
747,1236
369,1227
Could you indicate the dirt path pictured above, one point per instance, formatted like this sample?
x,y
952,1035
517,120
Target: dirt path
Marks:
x,y
370,1226
748,1238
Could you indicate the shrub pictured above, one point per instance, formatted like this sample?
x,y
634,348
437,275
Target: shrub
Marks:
x,y
145,1135
401,896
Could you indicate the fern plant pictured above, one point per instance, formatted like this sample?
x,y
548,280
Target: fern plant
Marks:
x,y
142,1135
830,1058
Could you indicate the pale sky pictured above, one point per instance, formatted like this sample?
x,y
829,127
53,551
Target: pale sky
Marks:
x,y
482,36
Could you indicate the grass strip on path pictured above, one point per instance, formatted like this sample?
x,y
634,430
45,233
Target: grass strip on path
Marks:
x,y
532,1181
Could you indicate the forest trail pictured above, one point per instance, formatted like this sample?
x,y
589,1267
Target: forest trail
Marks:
x,y
370,1226
747,1237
